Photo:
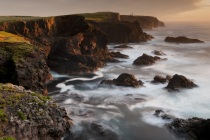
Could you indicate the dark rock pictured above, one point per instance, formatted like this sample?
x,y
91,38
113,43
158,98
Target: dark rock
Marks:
x,y
118,55
29,115
179,81
124,79
163,115
191,129
158,52
123,47
182,39
146,60
98,128
168,77
159,79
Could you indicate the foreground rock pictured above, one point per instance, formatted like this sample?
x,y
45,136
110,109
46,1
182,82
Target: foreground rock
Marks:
x,y
191,129
125,79
179,81
118,55
28,115
123,47
182,39
145,60
158,52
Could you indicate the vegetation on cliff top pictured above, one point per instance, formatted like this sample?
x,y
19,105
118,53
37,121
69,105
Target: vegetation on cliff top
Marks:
x,y
11,38
99,16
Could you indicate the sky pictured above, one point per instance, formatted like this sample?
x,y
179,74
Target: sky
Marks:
x,y
166,10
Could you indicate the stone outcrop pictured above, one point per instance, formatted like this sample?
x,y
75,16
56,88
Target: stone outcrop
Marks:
x,y
145,60
28,115
118,55
182,39
159,79
125,79
23,64
179,81
123,31
146,22
158,52
191,129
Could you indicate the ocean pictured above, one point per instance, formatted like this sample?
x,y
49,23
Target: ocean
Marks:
x,y
112,113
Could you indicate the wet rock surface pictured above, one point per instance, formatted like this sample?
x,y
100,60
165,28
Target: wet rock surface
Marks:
x,y
182,39
191,129
163,115
178,82
145,60
29,115
125,79
159,79
158,52
118,55
123,47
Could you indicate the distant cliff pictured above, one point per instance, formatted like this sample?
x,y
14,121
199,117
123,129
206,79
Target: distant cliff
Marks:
x,y
123,31
146,22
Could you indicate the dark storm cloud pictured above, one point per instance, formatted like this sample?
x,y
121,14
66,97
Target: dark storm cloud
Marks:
x,y
58,7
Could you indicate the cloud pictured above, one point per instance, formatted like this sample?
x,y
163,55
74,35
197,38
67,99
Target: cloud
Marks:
x,y
59,7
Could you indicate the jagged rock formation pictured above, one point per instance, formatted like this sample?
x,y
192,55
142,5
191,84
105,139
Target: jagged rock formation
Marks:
x,y
118,55
123,31
28,115
182,39
23,64
123,47
191,129
125,79
179,81
145,60
69,42
144,21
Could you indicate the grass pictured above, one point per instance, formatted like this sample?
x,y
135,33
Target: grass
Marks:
x,y
7,138
99,16
17,18
11,38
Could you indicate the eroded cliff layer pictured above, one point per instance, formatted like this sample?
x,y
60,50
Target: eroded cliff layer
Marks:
x,y
146,22
69,42
123,31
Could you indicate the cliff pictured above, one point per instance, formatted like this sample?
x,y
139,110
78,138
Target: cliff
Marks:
x,y
146,22
22,63
69,42
123,31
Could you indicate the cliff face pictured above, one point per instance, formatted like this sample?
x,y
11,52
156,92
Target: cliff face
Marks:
x,y
123,31
69,42
146,22
22,64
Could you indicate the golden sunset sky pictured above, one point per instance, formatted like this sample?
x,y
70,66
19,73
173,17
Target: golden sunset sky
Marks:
x,y
166,10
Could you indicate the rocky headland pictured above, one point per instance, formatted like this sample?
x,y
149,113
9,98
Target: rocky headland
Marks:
x,y
146,22
182,39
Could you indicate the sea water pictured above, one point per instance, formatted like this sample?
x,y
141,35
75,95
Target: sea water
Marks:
x,y
128,113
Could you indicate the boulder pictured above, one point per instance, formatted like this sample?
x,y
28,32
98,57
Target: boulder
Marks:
x,y
158,52
123,47
146,60
118,55
159,79
179,81
125,79
163,115
191,129
182,39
